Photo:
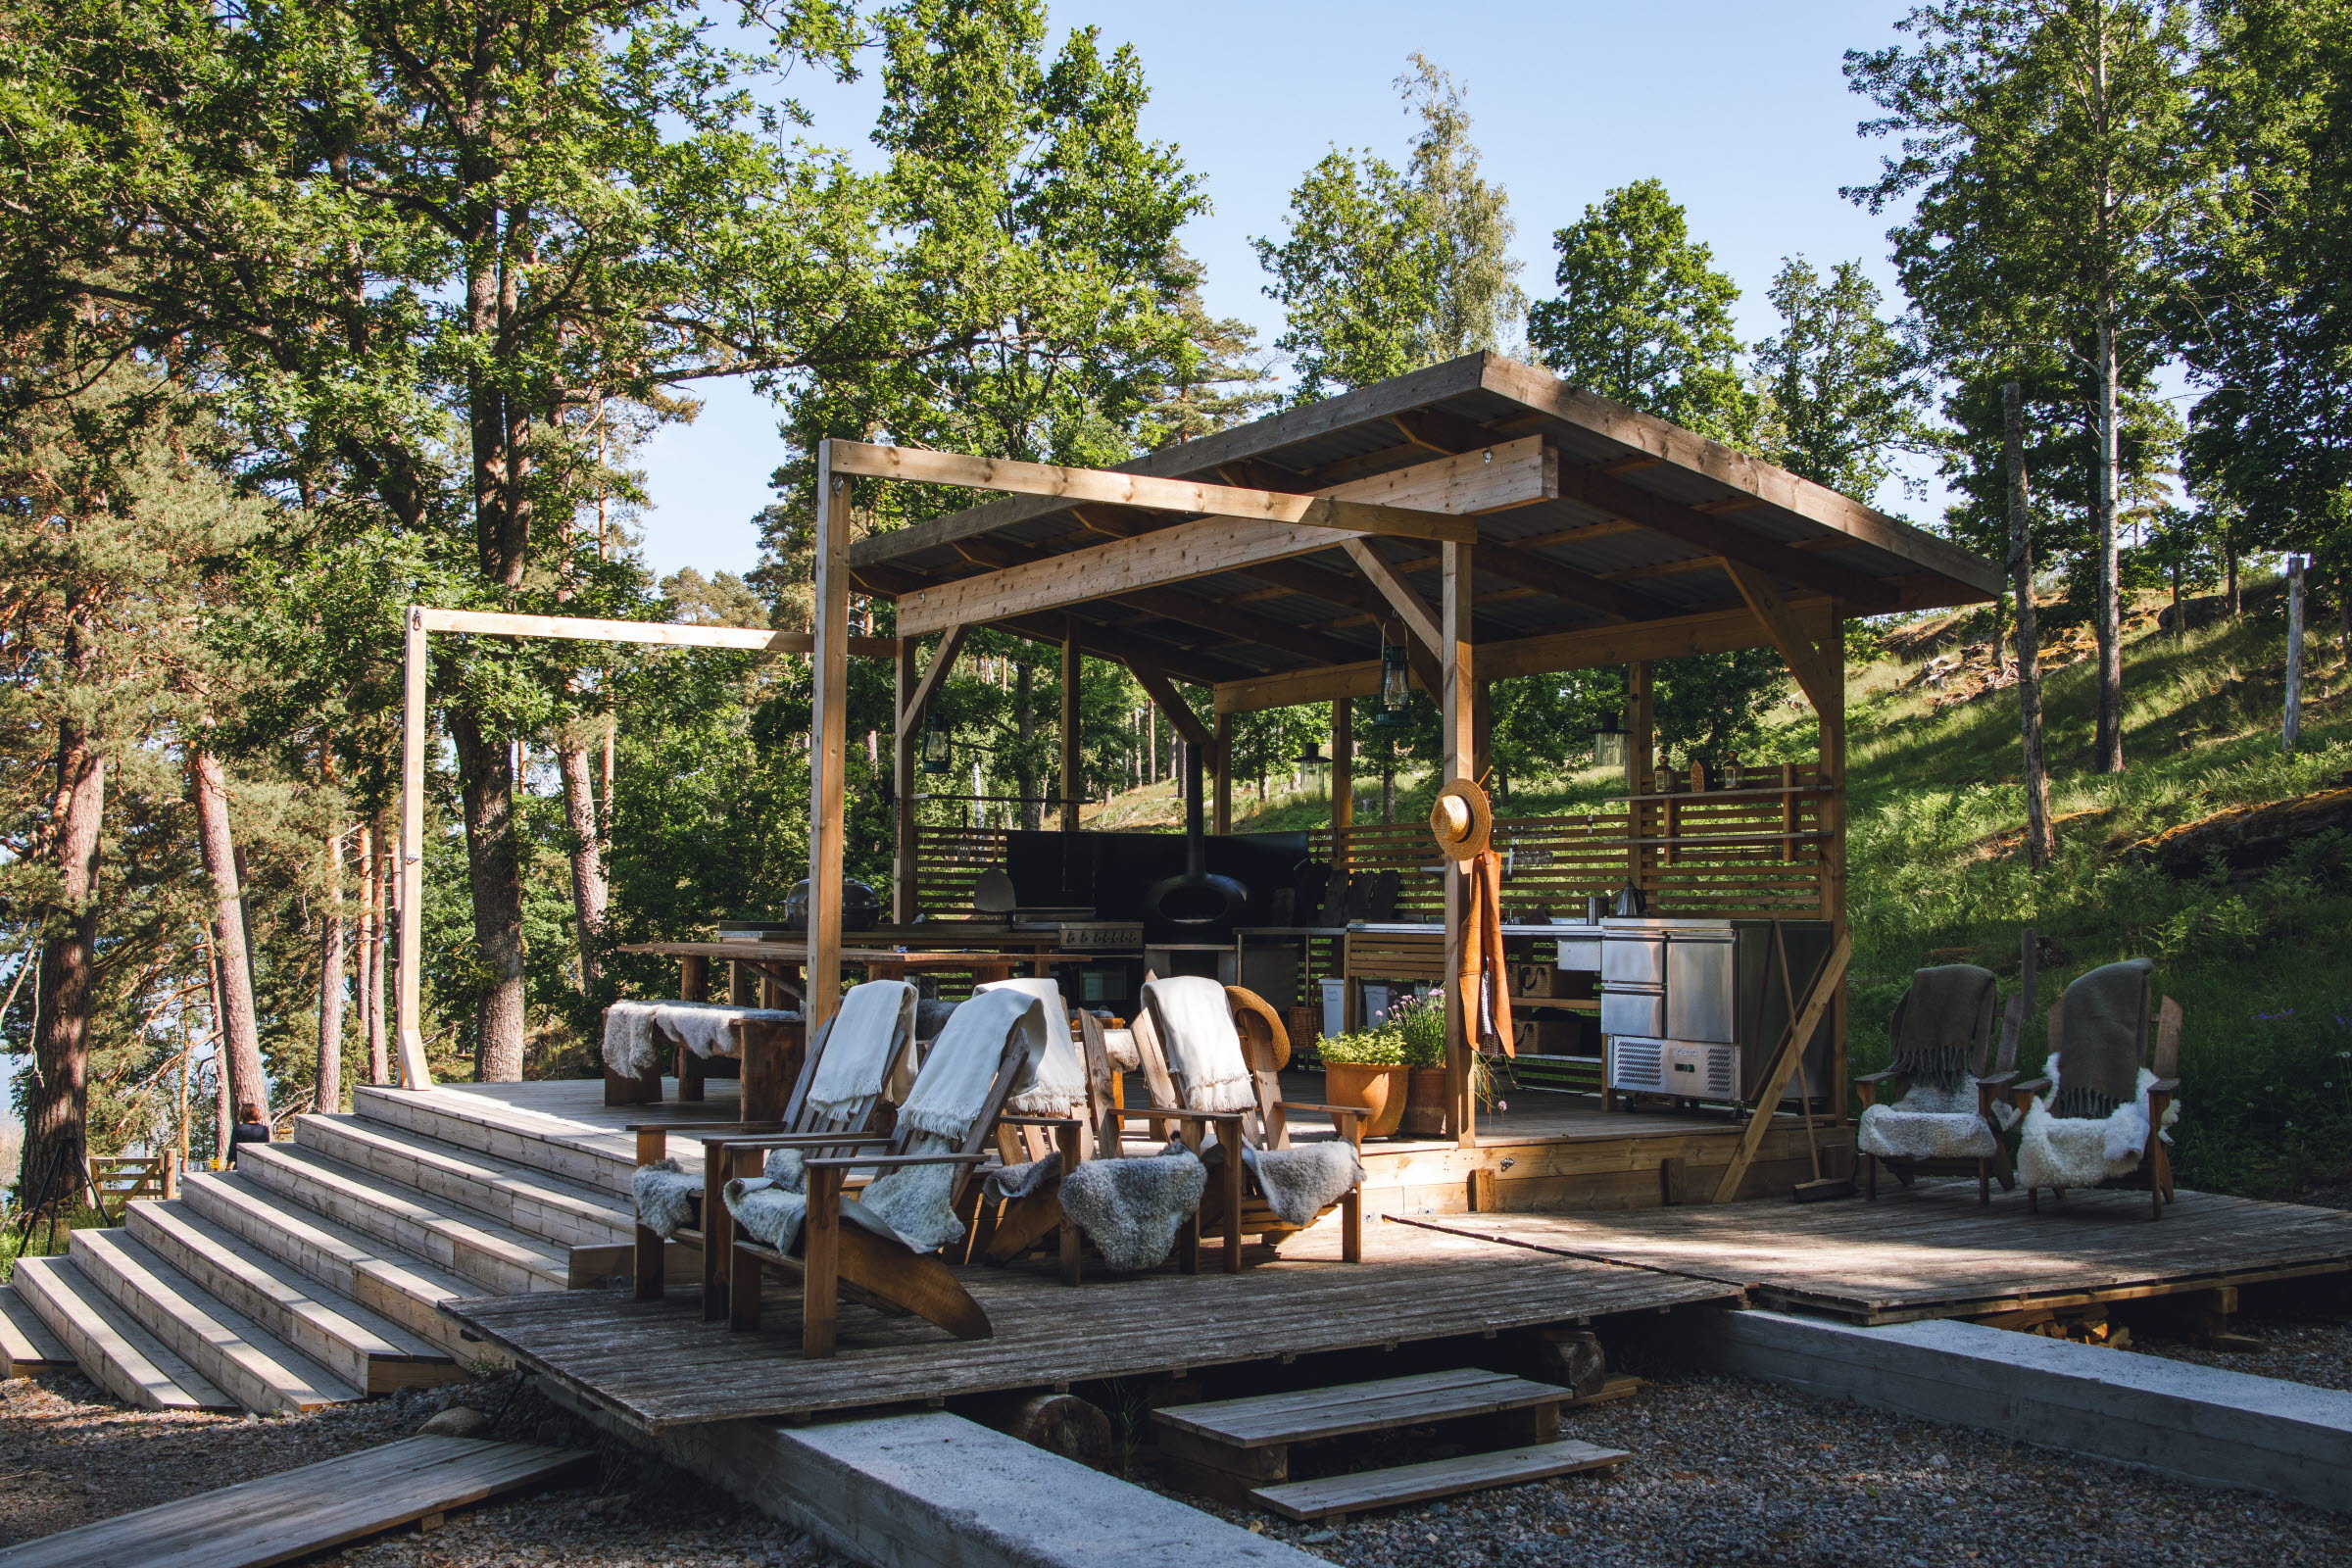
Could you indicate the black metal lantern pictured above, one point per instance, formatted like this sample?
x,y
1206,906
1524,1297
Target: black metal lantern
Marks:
x,y
935,744
1310,758
1610,740
1396,685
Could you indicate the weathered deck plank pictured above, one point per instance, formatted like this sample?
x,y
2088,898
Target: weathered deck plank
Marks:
x,y
659,1366
1930,1251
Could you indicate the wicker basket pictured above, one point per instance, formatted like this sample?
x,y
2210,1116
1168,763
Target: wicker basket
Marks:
x,y
1305,1026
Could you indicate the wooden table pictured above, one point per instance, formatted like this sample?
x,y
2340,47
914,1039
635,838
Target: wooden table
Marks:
x,y
768,974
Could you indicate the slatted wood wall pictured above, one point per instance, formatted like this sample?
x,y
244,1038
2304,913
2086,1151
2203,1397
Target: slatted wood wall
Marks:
x,y
947,862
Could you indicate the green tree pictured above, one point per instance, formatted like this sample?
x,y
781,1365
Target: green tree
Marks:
x,y
2049,150
1643,317
1840,396
1384,271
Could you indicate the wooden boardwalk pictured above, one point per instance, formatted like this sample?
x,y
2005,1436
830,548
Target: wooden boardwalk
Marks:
x,y
659,1365
1929,1250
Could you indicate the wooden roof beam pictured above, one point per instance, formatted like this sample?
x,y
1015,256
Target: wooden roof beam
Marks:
x,y
1101,641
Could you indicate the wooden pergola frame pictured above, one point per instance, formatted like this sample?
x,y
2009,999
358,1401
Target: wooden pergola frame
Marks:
x,y
419,622
1434,476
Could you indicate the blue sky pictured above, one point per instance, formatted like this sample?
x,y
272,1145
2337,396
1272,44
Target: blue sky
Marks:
x,y
1740,109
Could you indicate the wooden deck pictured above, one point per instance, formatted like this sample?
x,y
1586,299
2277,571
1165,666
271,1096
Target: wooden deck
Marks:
x,y
659,1366
1930,1251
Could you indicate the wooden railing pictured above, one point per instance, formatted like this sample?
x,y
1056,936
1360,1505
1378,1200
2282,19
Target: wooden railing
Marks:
x,y
120,1178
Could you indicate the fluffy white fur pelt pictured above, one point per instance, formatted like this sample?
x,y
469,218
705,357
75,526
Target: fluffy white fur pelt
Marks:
x,y
917,1203
629,1038
1928,1123
664,1196
1301,1181
630,1047
1195,1030
2081,1151
1131,1210
771,1208
1030,1176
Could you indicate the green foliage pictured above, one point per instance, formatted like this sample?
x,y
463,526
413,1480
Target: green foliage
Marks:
x,y
1841,394
1642,315
1384,271
1420,1022
1384,1047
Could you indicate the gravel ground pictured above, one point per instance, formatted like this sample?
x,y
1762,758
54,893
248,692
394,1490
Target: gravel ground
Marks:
x,y
2300,1349
69,1456
1728,1471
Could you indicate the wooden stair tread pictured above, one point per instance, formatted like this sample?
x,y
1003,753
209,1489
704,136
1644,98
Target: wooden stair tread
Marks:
x,y
112,1347
532,1200
260,1216
295,1172
1434,1478
1259,1419
603,1157
27,1344
298,1512
253,1366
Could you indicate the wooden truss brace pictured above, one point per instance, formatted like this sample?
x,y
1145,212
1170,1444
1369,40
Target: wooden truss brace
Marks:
x,y
1810,661
1425,645
935,674
418,622
1818,997
1180,712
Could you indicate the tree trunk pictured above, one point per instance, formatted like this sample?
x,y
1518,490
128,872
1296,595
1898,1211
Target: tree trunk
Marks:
x,y
589,893
486,776
240,1031
2041,842
1024,768
57,1151
2230,571
331,983
2109,745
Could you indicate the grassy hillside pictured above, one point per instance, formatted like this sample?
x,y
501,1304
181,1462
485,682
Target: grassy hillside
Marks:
x,y
2261,960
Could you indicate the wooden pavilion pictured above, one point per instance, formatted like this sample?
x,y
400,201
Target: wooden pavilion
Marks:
x,y
1503,524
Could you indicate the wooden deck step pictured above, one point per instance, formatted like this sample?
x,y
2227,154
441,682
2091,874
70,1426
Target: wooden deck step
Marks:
x,y
364,1268
364,1349
534,1201
603,1157
1333,1498
252,1366
298,1512
116,1354
1262,1420
502,1259
27,1344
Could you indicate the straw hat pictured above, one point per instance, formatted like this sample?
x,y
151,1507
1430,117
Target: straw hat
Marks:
x,y
1252,1014
1462,821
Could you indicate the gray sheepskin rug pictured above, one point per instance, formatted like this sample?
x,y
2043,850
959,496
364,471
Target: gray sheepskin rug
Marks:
x,y
771,1208
1131,1210
1301,1181
666,1197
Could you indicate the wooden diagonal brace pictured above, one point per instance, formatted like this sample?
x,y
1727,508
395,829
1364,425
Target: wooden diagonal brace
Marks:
x,y
934,674
1808,660
1163,691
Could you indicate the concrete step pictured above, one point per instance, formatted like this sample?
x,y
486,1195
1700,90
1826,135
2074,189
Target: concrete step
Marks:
x,y
362,1268
499,1259
116,1354
252,1366
27,1344
366,1351
553,1207
601,1158
1335,1497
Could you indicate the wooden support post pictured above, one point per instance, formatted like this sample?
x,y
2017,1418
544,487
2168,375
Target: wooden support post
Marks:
x,y
903,744
1457,700
1220,758
2290,731
828,743
1641,764
1342,786
1073,718
413,1073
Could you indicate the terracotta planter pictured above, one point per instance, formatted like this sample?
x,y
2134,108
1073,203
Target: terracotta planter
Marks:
x,y
1380,1091
1425,1102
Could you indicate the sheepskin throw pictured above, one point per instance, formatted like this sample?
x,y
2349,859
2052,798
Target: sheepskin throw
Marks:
x,y
951,1093
862,1039
1194,1025
1301,1181
2057,1151
1057,1087
1928,1123
1131,1210
1940,1025
770,1208
1009,1182
666,1197
2104,1029
917,1203
630,1027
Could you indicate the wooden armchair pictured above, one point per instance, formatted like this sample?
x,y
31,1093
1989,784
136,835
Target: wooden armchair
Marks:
x,y
842,1250
1235,1206
2098,1048
708,1227
1944,1088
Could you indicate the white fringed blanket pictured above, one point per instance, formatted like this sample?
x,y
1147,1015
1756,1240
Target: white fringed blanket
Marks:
x,y
1196,1029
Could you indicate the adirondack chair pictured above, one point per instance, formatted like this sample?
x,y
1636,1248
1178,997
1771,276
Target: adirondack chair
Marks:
x,y
710,1229
1235,1206
2107,1078
843,1247
1938,1116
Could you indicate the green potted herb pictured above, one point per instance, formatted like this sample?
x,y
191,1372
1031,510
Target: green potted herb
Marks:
x,y
1422,1023
1367,1069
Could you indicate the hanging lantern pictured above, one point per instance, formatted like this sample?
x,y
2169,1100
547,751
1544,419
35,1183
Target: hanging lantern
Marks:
x,y
1609,743
1396,685
935,744
1310,758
